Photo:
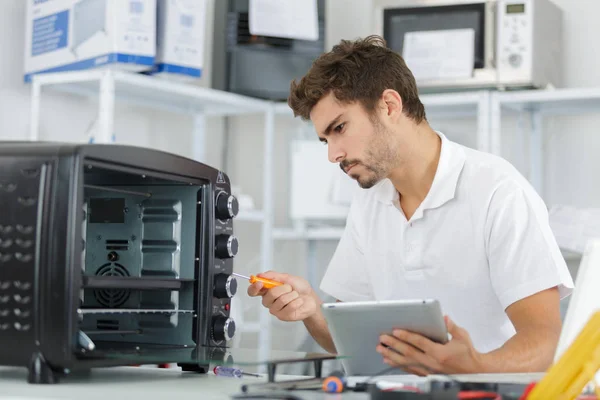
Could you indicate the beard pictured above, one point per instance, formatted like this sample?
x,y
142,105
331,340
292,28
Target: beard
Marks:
x,y
380,157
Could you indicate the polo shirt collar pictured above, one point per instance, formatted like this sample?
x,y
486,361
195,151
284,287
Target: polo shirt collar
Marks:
x,y
445,181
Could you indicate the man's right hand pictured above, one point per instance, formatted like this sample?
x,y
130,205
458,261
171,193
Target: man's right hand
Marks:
x,y
295,300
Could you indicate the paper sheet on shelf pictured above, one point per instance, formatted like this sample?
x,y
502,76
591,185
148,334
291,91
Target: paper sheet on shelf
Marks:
x,y
291,19
440,54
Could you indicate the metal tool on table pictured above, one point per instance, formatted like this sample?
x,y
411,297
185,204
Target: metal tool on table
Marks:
x,y
231,372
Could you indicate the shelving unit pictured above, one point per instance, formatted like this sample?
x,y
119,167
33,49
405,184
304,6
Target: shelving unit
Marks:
x,y
112,87
537,104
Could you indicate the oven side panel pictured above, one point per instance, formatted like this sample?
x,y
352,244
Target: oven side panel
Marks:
x,y
25,187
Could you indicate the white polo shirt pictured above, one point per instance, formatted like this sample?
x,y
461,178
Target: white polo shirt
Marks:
x,y
478,242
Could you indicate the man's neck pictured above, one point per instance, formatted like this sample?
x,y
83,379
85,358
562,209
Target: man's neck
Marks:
x,y
413,179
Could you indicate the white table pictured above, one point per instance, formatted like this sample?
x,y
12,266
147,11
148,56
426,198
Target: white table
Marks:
x,y
138,383
123,382
150,383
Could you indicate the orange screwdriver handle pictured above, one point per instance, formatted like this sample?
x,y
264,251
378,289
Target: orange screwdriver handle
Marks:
x,y
267,283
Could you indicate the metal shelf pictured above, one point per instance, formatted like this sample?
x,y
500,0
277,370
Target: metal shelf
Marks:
x,y
536,104
133,282
552,102
152,92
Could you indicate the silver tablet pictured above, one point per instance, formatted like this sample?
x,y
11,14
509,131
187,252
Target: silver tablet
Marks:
x,y
355,328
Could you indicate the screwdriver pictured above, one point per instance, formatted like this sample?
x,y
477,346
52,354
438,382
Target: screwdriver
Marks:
x,y
267,283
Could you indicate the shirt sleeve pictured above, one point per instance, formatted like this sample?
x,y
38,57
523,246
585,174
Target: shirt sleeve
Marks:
x,y
344,278
523,255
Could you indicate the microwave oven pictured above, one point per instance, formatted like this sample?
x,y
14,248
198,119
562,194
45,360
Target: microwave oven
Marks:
x,y
517,43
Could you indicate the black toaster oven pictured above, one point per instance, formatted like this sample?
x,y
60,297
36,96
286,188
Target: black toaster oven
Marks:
x,y
112,255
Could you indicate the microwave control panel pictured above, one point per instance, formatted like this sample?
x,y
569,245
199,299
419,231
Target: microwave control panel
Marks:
x,y
515,38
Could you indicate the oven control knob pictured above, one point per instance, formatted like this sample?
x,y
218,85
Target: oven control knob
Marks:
x,y
223,328
227,206
225,286
226,246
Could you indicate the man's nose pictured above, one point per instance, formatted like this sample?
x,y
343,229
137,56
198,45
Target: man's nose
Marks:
x,y
335,153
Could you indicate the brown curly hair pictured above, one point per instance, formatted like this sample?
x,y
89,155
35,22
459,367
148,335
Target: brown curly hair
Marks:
x,y
360,71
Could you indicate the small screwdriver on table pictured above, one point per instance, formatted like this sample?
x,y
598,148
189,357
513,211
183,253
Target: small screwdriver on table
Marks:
x,y
267,283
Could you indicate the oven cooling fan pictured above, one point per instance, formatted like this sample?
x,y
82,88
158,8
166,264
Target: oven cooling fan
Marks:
x,y
112,298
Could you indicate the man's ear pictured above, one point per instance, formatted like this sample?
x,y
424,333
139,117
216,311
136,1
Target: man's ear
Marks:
x,y
391,102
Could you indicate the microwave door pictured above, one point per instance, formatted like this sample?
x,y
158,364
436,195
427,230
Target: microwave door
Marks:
x,y
399,21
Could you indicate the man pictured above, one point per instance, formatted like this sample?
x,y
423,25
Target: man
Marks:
x,y
436,220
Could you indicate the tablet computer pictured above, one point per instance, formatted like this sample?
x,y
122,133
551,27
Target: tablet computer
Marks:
x,y
355,328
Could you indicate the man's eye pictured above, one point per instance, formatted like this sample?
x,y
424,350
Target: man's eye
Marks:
x,y
339,127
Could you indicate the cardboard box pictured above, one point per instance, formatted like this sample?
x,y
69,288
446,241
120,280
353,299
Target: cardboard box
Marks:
x,y
181,37
67,35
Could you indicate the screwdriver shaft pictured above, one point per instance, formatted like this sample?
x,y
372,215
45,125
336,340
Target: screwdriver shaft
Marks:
x,y
240,275
267,283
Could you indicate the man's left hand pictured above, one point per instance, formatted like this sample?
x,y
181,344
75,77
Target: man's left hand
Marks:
x,y
418,355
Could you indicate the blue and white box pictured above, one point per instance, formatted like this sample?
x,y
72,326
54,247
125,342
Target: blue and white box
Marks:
x,y
67,35
181,36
